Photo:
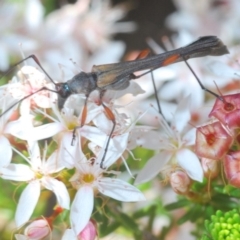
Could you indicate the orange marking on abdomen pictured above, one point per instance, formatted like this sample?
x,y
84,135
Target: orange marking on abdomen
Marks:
x,y
143,54
171,59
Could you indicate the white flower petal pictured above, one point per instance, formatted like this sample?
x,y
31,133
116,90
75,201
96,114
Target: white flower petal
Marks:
x,y
28,132
167,92
153,167
69,234
42,101
21,128
222,70
4,58
27,203
68,152
37,8
52,165
182,114
35,154
93,134
134,88
117,146
81,209
21,237
17,172
191,164
93,110
59,189
114,50
119,190
5,152
144,138
46,131
190,137
25,108
102,122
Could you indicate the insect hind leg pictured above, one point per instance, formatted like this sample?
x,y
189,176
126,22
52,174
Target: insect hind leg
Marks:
x,y
200,83
110,116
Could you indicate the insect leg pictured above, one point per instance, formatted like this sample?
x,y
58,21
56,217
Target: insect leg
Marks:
x,y
14,104
111,117
83,119
35,59
156,95
200,83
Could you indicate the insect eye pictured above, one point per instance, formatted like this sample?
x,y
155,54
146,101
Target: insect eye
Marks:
x,y
65,88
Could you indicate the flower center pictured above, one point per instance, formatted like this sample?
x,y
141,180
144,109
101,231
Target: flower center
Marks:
x,y
210,138
71,125
88,178
38,175
228,107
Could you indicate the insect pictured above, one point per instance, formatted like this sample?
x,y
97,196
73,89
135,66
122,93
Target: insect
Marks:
x,y
117,76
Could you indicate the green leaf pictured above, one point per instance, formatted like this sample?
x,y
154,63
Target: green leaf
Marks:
x,y
179,204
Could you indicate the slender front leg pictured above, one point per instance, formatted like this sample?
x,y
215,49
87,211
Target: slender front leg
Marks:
x,y
83,120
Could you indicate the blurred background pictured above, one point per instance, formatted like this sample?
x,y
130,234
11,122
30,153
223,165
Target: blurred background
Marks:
x,y
93,32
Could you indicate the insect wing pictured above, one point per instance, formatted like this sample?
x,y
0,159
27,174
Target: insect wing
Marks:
x,y
109,73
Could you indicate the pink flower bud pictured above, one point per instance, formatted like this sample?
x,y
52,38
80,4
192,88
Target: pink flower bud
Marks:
x,y
37,229
180,182
228,110
212,141
210,167
231,165
89,232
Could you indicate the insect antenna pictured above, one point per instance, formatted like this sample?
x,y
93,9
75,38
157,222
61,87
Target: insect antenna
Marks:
x,y
35,59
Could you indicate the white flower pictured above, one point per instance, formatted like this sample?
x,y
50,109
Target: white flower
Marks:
x,y
89,179
28,81
174,146
5,146
38,175
69,234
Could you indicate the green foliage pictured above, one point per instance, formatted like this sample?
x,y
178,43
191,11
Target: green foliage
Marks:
x,y
223,226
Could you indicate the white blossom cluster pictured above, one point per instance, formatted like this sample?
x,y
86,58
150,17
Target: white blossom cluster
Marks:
x,y
31,118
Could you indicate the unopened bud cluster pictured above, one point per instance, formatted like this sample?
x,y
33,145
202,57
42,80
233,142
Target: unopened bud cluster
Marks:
x,y
223,226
